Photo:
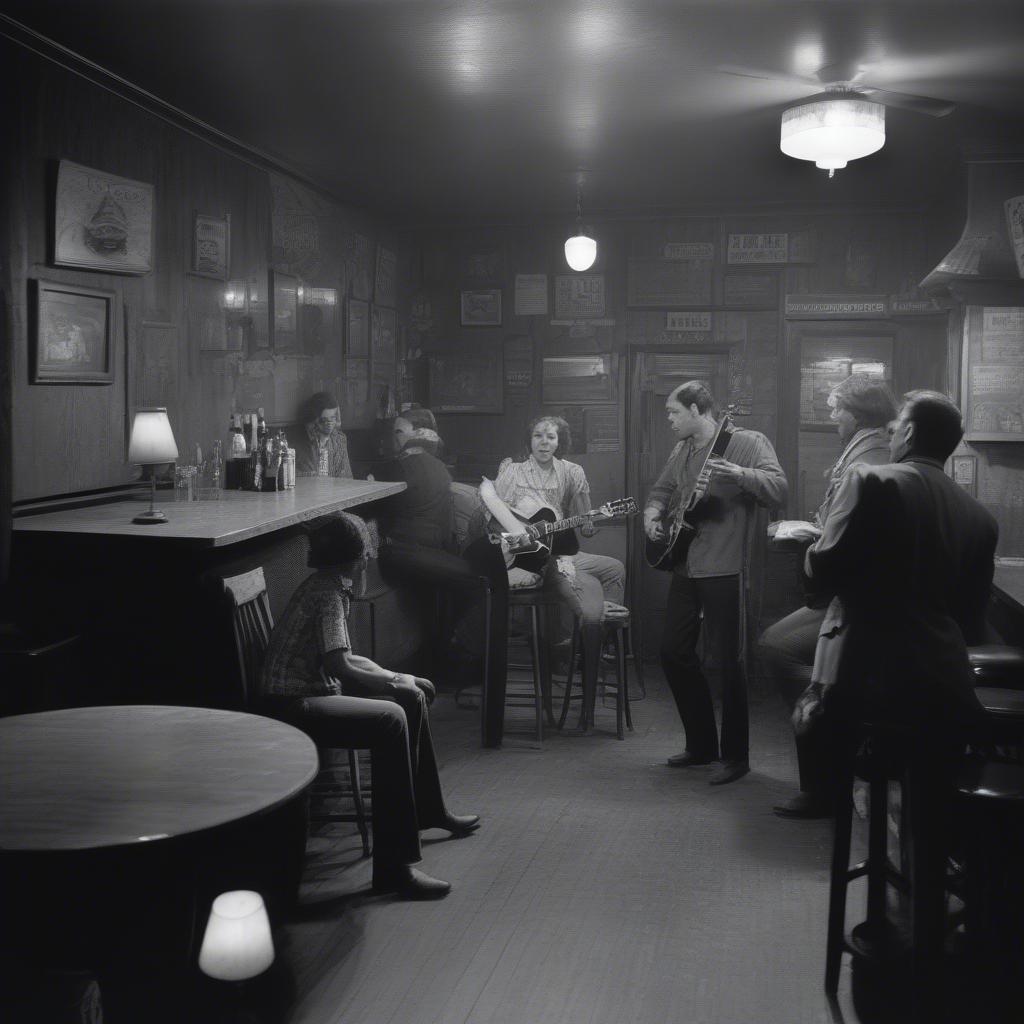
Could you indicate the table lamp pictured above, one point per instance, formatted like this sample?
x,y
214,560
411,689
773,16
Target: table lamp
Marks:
x,y
151,444
237,944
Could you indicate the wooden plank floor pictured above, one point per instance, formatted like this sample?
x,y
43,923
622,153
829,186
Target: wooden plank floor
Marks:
x,y
603,888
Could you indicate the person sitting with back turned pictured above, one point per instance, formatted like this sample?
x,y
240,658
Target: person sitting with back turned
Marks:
x,y
862,408
312,679
909,555
321,448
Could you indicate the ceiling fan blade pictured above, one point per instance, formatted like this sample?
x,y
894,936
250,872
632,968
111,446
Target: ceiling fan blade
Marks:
x,y
761,73
918,104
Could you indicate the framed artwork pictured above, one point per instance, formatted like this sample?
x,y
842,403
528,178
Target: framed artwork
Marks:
x,y
317,319
383,335
466,381
102,222
284,310
384,279
73,337
583,379
211,246
965,473
481,308
358,332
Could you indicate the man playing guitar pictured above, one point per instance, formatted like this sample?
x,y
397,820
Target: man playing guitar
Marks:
x,y
711,578
583,580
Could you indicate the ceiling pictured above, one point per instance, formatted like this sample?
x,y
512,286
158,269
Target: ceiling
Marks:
x,y
442,110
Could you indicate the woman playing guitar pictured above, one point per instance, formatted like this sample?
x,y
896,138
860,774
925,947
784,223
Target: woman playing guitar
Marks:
x,y
584,581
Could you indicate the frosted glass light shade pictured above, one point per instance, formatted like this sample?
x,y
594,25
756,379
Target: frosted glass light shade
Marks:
x,y
580,252
152,441
833,132
237,943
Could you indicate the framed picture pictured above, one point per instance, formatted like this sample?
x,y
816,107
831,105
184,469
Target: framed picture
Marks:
x,y
583,379
211,245
318,319
965,473
481,308
102,222
284,310
466,381
358,332
73,337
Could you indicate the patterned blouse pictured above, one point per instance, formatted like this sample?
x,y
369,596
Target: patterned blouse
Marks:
x,y
563,486
314,624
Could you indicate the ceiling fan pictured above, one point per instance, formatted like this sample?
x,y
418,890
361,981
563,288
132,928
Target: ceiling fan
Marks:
x,y
841,118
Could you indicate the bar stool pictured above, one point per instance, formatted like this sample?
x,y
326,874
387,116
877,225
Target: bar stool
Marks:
x,y
999,686
536,599
616,627
920,768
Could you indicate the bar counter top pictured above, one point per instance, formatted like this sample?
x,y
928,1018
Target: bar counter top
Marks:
x,y
235,516
1008,580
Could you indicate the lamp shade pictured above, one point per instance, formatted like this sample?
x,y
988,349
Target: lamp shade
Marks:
x,y
833,132
237,943
580,251
152,440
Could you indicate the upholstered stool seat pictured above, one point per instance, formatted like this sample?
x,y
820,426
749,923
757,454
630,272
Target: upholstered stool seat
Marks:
x,y
997,665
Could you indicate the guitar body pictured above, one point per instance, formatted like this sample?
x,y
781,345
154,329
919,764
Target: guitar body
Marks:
x,y
668,553
535,558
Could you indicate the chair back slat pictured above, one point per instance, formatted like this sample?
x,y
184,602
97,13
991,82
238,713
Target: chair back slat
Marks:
x,y
252,623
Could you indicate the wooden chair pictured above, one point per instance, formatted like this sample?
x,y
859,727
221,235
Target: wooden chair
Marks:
x,y
252,623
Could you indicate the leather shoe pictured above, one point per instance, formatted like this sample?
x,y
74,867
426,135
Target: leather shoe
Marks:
x,y
409,883
688,760
729,771
459,824
804,805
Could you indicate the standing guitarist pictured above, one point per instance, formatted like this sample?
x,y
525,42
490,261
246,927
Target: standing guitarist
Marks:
x,y
711,577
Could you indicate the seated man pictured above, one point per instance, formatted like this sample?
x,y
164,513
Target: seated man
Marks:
x,y
321,448
862,408
313,680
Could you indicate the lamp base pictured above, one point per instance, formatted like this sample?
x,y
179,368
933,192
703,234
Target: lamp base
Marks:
x,y
151,518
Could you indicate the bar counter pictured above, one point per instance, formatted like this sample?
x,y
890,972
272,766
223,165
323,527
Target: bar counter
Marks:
x,y
148,600
234,517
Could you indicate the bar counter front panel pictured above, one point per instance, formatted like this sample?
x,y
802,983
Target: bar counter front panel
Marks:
x,y
147,600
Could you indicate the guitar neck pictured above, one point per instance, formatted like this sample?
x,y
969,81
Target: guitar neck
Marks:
x,y
543,528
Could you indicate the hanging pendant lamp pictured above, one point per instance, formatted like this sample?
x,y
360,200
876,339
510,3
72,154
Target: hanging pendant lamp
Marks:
x,y
834,131
580,248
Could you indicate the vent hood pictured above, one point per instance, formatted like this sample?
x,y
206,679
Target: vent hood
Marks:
x,y
980,269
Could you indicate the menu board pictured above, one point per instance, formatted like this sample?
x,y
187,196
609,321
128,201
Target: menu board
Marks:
x,y
992,381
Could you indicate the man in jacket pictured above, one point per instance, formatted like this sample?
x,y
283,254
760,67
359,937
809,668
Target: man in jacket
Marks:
x,y
321,448
862,408
711,579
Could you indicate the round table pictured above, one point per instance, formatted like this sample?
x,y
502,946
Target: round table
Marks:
x,y
88,778
119,824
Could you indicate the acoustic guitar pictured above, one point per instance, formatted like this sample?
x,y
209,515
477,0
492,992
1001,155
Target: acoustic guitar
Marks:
x,y
539,539
666,553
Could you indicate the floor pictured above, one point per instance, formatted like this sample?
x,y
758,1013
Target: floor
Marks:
x,y
603,888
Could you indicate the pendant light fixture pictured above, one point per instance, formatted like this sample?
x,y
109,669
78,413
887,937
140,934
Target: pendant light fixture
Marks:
x,y
580,248
833,131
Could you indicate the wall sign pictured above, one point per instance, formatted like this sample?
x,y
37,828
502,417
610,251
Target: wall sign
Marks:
x,y
579,295
758,248
688,322
843,307
689,251
993,373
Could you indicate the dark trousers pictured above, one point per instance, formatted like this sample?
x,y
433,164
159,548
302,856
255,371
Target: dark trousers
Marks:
x,y
718,597
786,649
406,786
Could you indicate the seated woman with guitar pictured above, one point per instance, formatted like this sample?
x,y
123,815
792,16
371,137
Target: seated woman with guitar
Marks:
x,y
584,581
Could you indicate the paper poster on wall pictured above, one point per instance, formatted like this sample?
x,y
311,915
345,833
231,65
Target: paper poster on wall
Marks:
x,y
384,279
758,248
1015,224
579,295
466,381
601,423
531,298
518,363
993,373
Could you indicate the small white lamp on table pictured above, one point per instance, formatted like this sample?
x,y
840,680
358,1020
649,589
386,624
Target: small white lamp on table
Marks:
x,y
237,944
151,444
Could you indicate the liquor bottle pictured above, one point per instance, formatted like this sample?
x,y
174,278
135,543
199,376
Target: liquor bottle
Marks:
x,y
271,449
237,438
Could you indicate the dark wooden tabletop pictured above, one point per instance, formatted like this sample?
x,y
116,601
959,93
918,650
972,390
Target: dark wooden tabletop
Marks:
x,y
100,777
1008,582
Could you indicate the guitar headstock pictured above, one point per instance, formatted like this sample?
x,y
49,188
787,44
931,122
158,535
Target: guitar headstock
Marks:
x,y
618,507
